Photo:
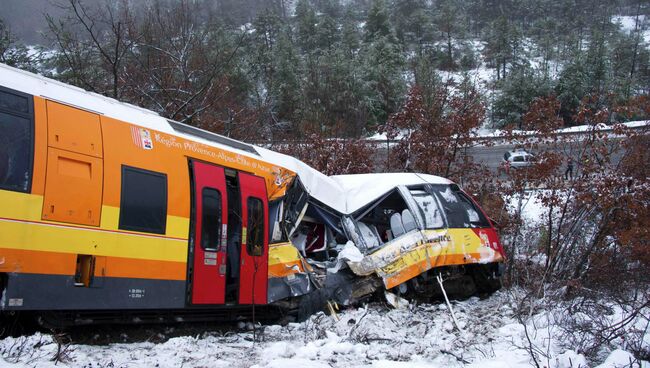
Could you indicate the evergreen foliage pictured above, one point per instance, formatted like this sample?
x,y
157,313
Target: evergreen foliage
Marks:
x,y
341,68
14,53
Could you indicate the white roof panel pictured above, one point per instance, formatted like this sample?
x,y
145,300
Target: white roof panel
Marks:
x,y
361,189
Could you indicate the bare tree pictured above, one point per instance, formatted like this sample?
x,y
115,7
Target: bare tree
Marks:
x,y
434,137
94,44
165,57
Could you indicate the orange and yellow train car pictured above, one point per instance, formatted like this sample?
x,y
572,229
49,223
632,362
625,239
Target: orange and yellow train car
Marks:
x,y
101,210
105,206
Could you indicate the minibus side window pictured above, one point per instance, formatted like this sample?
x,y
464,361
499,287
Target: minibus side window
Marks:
x,y
432,214
459,209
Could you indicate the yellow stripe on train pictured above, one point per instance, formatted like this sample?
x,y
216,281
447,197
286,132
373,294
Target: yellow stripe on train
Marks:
x,y
57,238
22,228
284,260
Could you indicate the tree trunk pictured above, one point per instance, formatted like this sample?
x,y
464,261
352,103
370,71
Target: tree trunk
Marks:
x,y
449,50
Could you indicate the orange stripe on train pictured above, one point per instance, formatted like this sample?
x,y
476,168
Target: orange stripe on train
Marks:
x,y
54,263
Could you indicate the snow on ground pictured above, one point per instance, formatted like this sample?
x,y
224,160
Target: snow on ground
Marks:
x,y
532,209
366,337
372,336
480,77
628,24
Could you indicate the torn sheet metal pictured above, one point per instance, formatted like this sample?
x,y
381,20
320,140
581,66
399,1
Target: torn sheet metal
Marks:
x,y
387,254
390,229
288,273
396,301
293,285
417,215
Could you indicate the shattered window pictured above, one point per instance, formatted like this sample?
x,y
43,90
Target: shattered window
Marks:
x,y
432,215
448,195
476,217
377,218
459,209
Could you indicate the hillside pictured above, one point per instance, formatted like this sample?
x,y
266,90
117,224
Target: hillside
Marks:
x,y
290,68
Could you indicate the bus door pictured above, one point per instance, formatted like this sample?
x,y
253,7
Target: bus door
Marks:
x,y
254,240
210,224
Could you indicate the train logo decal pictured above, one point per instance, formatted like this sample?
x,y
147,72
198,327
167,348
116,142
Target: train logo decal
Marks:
x,y
280,178
141,138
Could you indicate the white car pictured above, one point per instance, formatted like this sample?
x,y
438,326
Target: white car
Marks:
x,y
518,158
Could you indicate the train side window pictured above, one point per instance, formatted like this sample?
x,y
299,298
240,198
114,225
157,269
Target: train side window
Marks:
x,y
16,137
429,207
143,206
476,217
460,210
211,219
255,231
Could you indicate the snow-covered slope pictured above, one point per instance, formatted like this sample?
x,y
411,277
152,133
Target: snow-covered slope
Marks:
x,y
415,336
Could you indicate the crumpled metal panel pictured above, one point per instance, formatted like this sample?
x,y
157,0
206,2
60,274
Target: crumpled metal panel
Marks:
x,y
387,254
284,287
419,251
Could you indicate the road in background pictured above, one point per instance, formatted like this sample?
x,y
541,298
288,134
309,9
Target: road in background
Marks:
x,y
492,156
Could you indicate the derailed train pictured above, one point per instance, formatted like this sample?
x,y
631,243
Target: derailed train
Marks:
x,y
109,212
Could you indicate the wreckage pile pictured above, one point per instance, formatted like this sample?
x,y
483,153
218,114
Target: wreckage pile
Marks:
x,y
356,235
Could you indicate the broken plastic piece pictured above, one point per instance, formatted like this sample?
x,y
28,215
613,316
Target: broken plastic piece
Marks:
x,y
348,253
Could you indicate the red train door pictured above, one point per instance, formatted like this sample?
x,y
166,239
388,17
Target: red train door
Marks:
x,y
210,224
255,239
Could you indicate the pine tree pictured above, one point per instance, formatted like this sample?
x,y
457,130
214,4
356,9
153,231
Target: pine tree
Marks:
x,y
598,68
449,21
330,8
14,53
383,68
327,34
426,76
377,23
412,21
285,87
350,37
503,46
521,88
306,21
572,86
